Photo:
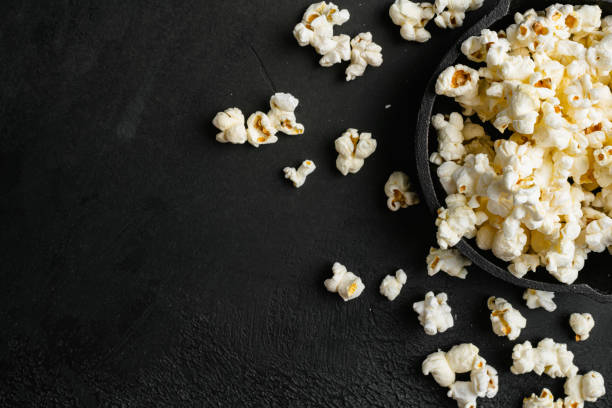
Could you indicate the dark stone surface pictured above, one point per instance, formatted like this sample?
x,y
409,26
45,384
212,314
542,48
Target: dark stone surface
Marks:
x,y
144,264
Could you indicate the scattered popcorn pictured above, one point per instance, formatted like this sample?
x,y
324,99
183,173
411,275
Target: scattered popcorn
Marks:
x,y
345,283
434,313
581,324
447,260
353,148
505,320
548,357
459,359
282,114
391,286
588,387
540,298
298,177
412,18
397,189
539,196
231,124
364,52
260,129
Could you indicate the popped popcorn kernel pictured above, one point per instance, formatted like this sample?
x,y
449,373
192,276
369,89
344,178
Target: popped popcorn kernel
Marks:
x,y
345,283
353,148
397,189
298,177
581,324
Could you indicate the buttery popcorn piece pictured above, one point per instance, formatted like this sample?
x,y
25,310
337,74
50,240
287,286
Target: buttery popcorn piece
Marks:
x,y
505,320
364,52
548,357
282,114
581,324
447,260
539,298
391,286
588,387
434,313
353,148
397,189
412,18
298,177
456,81
231,124
260,129
345,283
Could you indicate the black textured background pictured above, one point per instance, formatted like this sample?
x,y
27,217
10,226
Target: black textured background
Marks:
x,y
145,264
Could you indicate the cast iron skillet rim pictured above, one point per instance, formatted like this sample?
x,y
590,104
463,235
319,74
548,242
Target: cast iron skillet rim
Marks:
x,y
427,185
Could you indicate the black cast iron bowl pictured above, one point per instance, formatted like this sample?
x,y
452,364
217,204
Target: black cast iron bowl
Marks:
x,y
594,280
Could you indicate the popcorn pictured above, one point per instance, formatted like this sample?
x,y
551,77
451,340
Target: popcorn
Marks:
x,y
298,177
353,148
459,359
447,260
544,400
392,285
282,114
505,320
412,18
599,234
450,135
540,298
450,13
581,324
397,189
458,80
434,313
316,27
548,357
260,129
364,52
340,52
523,264
231,124
456,221
345,283
588,387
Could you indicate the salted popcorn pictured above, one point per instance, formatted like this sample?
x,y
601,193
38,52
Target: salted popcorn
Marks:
x,y
460,359
581,324
282,114
345,283
397,189
540,298
505,320
353,148
364,52
412,18
539,196
447,260
434,313
548,357
298,177
231,124
260,129
588,387
317,30
391,286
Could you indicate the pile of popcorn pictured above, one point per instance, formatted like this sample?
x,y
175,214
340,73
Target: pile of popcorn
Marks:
x,y
317,30
542,196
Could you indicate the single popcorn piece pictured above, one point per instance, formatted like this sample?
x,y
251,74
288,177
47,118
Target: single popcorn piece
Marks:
x,y
443,366
345,283
260,129
282,114
544,400
364,52
548,357
340,52
231,124
505,320
397,189
588,387
581,324
463,392
298,177
391,286
450,136
458,80
540,298
521,264
451,13
447,260
412,18
434,313
316,27
456,221
353,148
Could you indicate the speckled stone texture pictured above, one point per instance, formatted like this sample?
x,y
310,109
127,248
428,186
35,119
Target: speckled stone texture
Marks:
x,y
145,264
